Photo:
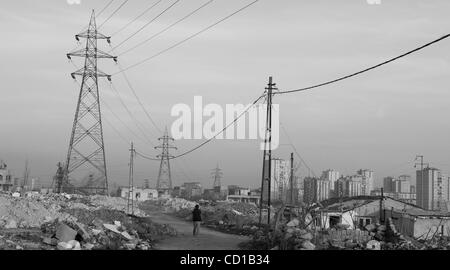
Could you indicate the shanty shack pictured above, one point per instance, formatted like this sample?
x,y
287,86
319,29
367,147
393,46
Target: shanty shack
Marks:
x,y
422,224
358,212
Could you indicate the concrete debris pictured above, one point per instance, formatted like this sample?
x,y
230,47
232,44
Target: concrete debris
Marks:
x,y
293,223
373,245
11,224
64,233
64,246
127,236
112,228
75,222
50,241
307,245
96,231
75,244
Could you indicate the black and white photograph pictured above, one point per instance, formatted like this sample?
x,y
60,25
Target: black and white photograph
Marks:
x,y
229,132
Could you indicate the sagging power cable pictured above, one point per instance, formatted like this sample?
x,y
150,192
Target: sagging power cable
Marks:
x,y
137,17
147,24
114,13
167,28
365,70
189,38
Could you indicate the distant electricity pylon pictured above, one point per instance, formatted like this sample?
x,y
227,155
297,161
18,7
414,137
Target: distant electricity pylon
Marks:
x,y
217,176
164,184
86,155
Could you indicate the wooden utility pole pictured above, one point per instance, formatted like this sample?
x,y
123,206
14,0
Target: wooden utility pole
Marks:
x,y
267,157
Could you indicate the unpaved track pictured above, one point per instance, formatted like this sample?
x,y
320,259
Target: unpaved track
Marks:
x,y
207,239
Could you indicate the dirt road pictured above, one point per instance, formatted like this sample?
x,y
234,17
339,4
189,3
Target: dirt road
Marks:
x,y
207,239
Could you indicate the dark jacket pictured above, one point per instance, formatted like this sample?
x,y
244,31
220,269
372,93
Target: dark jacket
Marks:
x,y
196,215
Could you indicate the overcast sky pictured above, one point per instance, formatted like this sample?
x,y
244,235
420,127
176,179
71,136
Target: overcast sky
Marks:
x,y
380,120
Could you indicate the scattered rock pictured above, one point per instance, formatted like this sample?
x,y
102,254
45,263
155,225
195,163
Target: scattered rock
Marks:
x,y
127,236
373,245
50,241
111,228
64,246
64,233
307,245
11,224
75,244
293,223
307,236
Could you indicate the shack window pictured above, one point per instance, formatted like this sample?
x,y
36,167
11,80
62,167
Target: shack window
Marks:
x,y
334,220
363,221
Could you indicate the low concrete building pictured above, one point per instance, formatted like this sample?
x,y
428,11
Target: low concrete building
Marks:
x,y
191,189
421,224
359,211
139,194
244,198
6,178
236,190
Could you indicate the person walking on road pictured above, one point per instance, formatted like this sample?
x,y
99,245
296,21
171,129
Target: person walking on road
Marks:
x,y
197,219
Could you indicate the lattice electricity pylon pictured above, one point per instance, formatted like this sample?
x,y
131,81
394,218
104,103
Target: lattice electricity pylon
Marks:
x,y
164,184
86,154
217,176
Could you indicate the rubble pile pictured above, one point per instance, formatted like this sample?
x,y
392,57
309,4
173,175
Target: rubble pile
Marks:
x,y
74,222
287,236
29,211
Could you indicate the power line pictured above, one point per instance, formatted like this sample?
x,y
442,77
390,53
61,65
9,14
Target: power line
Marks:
x,y
145,156
137,18
225,128
295,150
209,140
107,5
114,13
189,38
367,69
147,24
138,99
123,123
117,131
168,27
129,112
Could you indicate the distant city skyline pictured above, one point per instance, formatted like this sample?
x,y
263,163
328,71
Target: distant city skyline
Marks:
x,y
379,121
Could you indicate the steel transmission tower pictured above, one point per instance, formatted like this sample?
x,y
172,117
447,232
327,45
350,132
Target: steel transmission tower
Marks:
x,y
164,184
217,175
86,154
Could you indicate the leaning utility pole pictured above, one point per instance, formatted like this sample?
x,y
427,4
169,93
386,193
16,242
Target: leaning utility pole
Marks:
x,y
267,156
130,201
86,147
164,184
421,178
